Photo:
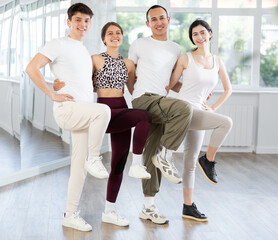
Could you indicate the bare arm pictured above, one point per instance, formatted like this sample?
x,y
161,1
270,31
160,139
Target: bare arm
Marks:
x,y
226,85
176,74
131,75
33,70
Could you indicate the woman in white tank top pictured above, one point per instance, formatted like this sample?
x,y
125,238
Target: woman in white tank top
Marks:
x,y
200,70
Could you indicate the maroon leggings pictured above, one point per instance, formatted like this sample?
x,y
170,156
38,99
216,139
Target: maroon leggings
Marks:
x,y
122,120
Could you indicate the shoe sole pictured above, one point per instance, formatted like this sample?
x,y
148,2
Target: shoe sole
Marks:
x,y
111,222
165,175
99,177
146,217
77,228
199,165
139,177
196,219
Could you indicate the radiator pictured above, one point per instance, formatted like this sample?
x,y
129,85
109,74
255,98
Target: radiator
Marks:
x,y
241,133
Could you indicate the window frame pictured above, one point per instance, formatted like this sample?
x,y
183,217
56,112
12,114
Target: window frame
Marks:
x,y
216,12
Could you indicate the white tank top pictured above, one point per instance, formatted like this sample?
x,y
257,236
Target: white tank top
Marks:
x,y
198,82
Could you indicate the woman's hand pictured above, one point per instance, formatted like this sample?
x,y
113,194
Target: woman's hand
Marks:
x,y
57,84
209,96
207,108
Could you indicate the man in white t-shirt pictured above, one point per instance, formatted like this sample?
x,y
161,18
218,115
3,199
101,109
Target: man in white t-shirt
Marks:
x,y
73,106
155,57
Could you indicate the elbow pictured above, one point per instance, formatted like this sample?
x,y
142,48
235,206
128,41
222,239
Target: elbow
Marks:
x,y
228,91
28,69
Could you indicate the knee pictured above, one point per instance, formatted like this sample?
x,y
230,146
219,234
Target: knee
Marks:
x,y
228,123
184,108
145,116
105,111
190,162
148,117
119,168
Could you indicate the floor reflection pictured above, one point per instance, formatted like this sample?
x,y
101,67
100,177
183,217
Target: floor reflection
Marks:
x,y
40,147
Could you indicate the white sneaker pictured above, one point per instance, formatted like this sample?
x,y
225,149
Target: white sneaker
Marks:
x,y
167,168
153,214
96,168
76,222
114,218
138,171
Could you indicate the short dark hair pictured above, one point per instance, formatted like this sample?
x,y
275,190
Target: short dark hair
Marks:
x,y
79,7
106,26
196,23
153,7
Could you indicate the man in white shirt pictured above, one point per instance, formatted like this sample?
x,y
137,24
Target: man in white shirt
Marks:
x,y
73,106
155,58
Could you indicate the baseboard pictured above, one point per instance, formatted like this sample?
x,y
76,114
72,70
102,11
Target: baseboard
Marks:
x,y
7,128
38,125
266,150
232,149
35,171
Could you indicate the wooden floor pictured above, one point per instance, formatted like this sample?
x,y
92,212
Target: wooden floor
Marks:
x,y
242,206
9,154
39,147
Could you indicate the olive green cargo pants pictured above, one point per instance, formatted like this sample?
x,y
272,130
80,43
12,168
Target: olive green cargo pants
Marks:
x,y
170,120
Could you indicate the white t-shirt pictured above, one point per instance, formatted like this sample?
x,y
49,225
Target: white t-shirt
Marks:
x,y
155,61
71,63
198,82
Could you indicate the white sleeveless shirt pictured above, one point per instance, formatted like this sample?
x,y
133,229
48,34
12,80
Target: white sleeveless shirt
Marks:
x,y
198,82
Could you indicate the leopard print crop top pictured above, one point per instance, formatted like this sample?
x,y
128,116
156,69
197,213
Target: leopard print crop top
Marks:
x,y
113,74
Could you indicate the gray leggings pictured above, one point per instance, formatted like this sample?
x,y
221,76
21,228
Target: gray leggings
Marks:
x,y
201,121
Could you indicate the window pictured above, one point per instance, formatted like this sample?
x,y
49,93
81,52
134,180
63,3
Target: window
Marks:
x,y
235,47
135,3
134,27
237,27
43,21
236,3
269,52
191,4
179,26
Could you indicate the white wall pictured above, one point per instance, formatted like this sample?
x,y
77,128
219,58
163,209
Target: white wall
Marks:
x,y
10,106
267,134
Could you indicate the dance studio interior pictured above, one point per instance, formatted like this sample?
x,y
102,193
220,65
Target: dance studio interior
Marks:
x,y
35,153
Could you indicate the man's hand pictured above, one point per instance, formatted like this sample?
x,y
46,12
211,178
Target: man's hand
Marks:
x,y
62,98
57,85
167,88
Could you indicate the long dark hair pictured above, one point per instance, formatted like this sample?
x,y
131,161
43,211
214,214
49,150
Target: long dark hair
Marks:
x,y
196,23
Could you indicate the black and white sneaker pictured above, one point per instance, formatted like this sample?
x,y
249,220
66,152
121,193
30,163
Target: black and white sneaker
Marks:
x,y
167,168
208,169
153,214
191,212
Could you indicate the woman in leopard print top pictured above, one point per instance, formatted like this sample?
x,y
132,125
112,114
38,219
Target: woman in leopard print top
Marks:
x,y
111,73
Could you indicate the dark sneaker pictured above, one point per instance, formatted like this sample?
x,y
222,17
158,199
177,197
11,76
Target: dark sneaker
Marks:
x,y
208,169
191,211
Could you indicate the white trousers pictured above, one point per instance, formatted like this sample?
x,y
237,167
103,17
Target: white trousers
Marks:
x,y
87,123
202,120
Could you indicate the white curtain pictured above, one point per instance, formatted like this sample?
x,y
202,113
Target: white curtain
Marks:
x,y
104,11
